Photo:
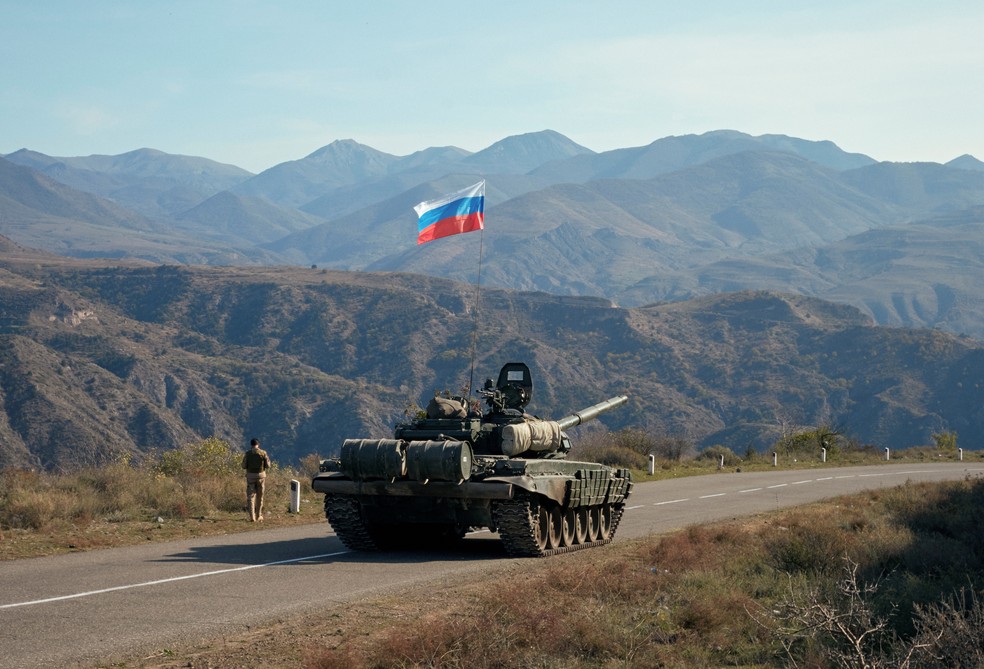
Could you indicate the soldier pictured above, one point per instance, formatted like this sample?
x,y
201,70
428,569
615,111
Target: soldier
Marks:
x,y
255,462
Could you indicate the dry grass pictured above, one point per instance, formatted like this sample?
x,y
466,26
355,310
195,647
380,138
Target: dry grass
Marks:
x,y
199,495
706,596
198,491
722,595
717,595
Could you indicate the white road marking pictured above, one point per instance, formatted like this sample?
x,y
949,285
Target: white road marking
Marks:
x,y
779,485
750,490
720,494
637,506
672,501
799,482
169,580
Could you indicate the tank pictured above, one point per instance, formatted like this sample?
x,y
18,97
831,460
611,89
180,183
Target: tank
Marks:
x,y
458,467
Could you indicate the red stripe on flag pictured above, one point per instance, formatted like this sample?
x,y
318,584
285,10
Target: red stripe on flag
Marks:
x,y
452,226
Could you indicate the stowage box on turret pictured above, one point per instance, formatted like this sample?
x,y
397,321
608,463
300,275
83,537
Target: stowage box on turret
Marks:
x,y
460,468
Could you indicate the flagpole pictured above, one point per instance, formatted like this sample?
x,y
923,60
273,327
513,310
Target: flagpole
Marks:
x,y
478,301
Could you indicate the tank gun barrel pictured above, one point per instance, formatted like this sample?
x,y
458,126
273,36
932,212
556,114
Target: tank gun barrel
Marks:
x,y
592,412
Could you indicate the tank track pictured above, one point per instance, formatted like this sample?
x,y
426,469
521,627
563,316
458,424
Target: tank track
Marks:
x,y
516,520
345,517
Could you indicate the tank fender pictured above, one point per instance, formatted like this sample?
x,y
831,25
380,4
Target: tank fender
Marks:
x,y
553,487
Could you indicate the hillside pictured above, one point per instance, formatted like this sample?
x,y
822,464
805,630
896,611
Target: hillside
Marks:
x,y
99,360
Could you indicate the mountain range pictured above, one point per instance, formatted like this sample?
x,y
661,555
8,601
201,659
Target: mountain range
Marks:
x,y
732,285
679,218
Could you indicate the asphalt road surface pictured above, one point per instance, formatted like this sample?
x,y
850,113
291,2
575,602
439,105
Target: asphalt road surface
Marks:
x,y
86,608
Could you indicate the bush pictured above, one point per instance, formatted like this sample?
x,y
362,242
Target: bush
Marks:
x,y
949,633
715,452
209,457
630,448
811,442
613,456
946,441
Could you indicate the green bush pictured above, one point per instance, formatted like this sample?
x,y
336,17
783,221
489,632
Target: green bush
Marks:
x,y
811,442
715,452
209,457
945,441
630,448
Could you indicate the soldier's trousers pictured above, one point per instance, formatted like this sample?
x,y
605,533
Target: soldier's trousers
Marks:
x,y
254,495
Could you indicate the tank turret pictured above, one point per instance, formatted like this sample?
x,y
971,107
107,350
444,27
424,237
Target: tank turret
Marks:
x,y
457,467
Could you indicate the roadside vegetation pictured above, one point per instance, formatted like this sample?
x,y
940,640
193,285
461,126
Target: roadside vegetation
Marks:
x,y
813,447
890,578
199,489
196,490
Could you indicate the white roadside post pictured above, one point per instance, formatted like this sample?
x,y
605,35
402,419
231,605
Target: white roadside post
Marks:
x,y
823,455
652,464
960,454
295,496
775,459
888,455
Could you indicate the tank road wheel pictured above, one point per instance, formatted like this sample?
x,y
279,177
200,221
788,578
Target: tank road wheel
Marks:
x,y
605,524
556,533
569,528
533,526
524,525
581,525
543,527
594,522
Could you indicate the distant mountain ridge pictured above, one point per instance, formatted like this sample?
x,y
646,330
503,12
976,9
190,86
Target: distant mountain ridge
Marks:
x,y
671,220
676,153
151,182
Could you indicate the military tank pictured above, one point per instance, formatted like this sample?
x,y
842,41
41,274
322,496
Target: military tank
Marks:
x,y
459,467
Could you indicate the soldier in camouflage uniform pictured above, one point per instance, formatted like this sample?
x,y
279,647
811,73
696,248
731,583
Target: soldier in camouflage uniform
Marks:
x,y
255,462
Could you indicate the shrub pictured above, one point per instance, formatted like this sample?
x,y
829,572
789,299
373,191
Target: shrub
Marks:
x,y
630,448
209,457
310,465
811,442
715,452
949,633
945,441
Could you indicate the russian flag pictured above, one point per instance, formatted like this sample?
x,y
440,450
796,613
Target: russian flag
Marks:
x,y
452,214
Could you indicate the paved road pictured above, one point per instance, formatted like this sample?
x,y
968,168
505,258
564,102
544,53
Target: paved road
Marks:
x,y
84,608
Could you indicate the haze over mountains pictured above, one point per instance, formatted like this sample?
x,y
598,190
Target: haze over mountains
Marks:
x,y
679,218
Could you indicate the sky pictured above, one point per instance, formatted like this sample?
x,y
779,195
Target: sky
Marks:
x,y
255,84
